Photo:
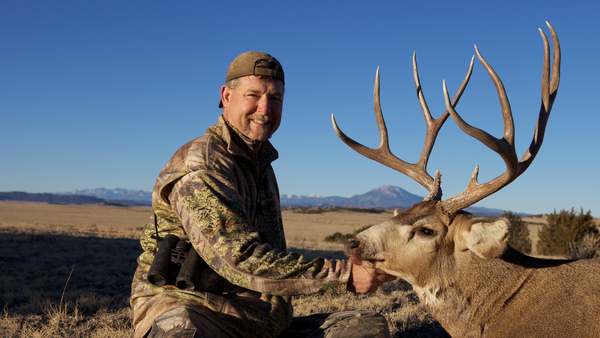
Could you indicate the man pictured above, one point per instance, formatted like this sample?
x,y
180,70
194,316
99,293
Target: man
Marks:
x,y
219,193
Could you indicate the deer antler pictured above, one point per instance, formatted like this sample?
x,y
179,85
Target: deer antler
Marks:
x,y
505,146
383,155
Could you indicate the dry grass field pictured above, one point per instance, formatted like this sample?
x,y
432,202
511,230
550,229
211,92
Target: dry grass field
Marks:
x,y
66,269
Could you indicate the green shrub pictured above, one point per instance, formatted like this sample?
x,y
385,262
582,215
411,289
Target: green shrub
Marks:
x,y
588,247
338,237
563,229
518,233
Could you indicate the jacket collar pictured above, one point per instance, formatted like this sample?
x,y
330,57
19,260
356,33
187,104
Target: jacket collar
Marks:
x,y
239,144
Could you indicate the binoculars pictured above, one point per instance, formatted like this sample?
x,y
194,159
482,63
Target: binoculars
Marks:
x,y
176,263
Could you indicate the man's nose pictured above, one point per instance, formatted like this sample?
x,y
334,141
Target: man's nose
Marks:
x,y
263,105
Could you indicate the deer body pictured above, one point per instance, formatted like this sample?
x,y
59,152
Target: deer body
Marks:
x,y
477,286
471,281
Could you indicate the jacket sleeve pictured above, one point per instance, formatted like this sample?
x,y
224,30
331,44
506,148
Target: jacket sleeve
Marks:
x,y
212,213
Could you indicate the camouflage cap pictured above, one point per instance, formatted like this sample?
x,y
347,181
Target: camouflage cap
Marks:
x,y
254,63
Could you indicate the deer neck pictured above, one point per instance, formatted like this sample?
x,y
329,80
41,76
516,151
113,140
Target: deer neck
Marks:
x,y
474,292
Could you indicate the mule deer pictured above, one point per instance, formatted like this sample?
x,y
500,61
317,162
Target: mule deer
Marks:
x,y
460,266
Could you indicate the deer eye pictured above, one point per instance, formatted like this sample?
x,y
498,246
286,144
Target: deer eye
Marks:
x,y
428,232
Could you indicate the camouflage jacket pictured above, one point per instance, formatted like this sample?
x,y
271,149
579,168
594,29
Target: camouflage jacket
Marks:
x,y
224,198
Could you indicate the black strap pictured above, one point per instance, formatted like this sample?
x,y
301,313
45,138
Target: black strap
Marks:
x,y
156,227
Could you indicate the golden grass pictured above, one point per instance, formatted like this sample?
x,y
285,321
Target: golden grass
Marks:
x,y
315,227
92,250
406,315
44,246
63,323
66,269
74,220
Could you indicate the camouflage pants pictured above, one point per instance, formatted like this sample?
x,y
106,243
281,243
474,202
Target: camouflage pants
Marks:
x,y
186,323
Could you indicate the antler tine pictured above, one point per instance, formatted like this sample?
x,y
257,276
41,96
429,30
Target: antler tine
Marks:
x,y
384,144
549,90
505,146
434,125
383,155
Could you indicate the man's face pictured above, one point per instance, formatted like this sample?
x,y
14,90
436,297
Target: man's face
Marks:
x,y
254,106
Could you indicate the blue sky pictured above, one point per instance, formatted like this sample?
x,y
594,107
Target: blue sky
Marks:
x,y
102,93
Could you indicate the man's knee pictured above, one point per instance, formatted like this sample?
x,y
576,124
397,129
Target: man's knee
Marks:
x,y
346,324
173,324
184,322
158,332
356,324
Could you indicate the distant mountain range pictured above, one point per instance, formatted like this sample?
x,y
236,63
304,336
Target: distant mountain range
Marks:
x,y
386,197
49,198
113,194
68,198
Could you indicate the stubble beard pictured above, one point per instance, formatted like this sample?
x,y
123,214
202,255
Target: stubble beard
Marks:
x,y
263,134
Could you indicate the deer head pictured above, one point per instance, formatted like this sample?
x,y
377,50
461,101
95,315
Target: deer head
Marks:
x,y
436,228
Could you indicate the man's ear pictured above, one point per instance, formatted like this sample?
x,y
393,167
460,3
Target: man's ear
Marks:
x,y
225,96
485,238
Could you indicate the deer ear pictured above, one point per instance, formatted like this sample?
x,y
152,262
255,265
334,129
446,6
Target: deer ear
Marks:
x,y
487,239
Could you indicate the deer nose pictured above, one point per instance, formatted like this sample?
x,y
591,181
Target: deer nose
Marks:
x,y
350,247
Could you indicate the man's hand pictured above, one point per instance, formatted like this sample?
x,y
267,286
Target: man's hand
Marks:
x,y
363,280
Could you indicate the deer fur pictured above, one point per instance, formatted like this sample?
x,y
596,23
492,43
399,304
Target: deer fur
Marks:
x,y
476,285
